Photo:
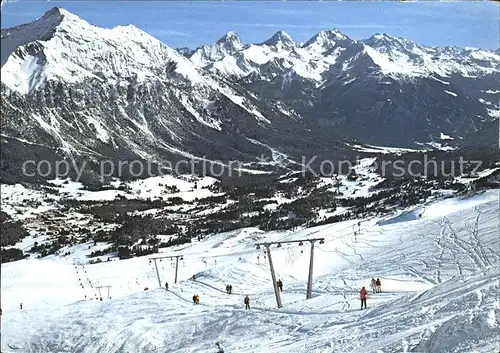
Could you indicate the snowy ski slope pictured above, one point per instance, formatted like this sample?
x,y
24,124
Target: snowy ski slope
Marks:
x,y
439,267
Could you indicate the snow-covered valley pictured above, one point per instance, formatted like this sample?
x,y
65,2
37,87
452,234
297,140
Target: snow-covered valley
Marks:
x,y
438,265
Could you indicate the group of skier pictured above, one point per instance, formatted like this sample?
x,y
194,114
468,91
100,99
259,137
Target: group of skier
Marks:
x,y
376,285
363,294
229,290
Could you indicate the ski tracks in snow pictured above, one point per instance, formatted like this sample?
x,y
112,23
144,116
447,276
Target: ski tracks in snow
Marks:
x,y
466,248
353,249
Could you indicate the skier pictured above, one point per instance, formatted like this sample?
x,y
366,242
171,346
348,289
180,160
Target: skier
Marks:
x,y
363,294
280,285
194,277
220,348
227,288
379,285
21,306
166,285
373,284
194,299
230,289
197,299
247,302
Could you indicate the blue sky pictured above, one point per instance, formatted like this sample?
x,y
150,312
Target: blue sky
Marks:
x,y
183,23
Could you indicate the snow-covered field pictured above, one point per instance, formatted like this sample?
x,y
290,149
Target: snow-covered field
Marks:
x,y
23,202
439,268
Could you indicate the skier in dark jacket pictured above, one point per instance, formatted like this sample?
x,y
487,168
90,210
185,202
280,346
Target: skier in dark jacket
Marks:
x,y
230,289
379,285
166,285
247,302
280,285
227,288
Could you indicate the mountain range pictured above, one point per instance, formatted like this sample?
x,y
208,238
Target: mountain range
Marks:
x,y
381,90
72,89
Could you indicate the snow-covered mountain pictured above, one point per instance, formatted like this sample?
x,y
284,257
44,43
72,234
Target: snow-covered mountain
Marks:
x,y
398,58
62,47
227,45
276,56
71,87
377,89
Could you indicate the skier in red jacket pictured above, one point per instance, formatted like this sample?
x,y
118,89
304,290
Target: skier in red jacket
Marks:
x,y
363,294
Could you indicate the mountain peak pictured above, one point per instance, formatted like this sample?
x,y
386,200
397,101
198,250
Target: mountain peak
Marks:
x,y
56,16
230,42
41,29
384,38
36,49
280,38
230,36
332,34
386,43
44,26
326,39
381,39
380,36
56,12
